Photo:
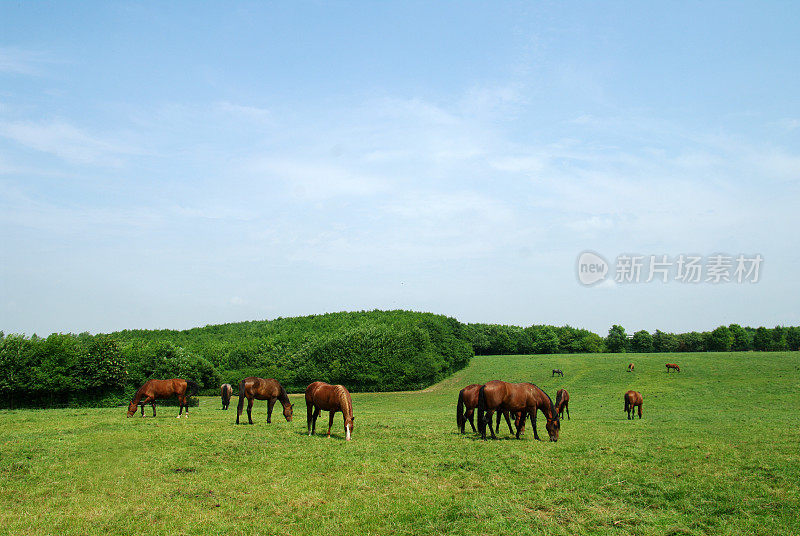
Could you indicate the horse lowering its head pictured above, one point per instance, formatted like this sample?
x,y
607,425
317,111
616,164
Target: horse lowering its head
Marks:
x,y
673,366
517,397
630,367
332,398
153,390
226,391
562,403
633,399
558,371
271,390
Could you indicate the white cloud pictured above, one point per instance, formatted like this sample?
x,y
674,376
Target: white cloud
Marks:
x,y
16,60
67,142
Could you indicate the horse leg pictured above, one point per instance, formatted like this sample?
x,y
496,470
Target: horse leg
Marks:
x,y
640,411
566,407
499,416
270,404
309,413
508,422
469,416
180,405
249,410
489,422
533,425
330,421
317,411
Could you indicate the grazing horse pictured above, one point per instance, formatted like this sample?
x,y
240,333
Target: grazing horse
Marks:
x,y
227,391
632,400
562,403
332,398
630,367
270,390
673,366
468,397
153,390
517,397
558,371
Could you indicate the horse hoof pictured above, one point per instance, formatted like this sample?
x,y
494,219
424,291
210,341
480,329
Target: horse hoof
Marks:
x,y
178,417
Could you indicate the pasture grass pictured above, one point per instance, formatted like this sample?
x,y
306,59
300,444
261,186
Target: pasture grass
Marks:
x,y
717,452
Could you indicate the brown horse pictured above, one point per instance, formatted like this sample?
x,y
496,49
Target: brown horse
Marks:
x,y
630,367
632,400
468,398
253,388
227,391
562,403
153,390
321,396
673,366
516,397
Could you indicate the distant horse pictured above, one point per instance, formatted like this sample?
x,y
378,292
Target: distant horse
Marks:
x,y
557,371
632,400
526,398
630,367
562,403
468,397
673,366
227,391
153,390
253,388
322,396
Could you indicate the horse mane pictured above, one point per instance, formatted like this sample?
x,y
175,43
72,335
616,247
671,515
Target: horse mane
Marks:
x,y
552,406
283,395
345,401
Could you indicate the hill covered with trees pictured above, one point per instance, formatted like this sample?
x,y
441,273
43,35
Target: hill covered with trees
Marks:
x,y
366,350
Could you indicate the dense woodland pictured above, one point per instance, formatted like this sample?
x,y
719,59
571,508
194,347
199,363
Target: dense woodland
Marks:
x,y
367,351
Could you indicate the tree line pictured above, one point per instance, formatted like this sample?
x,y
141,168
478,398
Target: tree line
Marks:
x,y
366,350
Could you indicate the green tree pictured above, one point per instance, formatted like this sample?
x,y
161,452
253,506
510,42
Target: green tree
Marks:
x,y
642,342
546,341
617,340
742,341
762,339
664,342
720,340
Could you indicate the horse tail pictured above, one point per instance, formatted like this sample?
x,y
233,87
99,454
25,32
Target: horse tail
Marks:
x,y
460,418
192,388
627,401
240,406
481,410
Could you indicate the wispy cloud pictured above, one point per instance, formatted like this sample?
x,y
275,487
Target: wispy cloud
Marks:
x,y
67,141
14,60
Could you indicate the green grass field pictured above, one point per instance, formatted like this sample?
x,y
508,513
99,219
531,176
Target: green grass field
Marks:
x,y
717,452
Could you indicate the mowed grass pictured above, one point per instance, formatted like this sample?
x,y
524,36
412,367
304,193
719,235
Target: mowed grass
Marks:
x,y
717,452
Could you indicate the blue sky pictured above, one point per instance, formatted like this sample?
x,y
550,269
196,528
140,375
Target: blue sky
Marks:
x,y
169,166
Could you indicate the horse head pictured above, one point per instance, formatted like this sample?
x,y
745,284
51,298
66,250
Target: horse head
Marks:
x,y
132,409
348,426
288,411
553,425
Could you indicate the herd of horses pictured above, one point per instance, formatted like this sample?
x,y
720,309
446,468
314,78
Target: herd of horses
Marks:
x,y
522,400
319,396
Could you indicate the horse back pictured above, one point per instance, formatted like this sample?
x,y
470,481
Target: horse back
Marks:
x,y
323,395
469,395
